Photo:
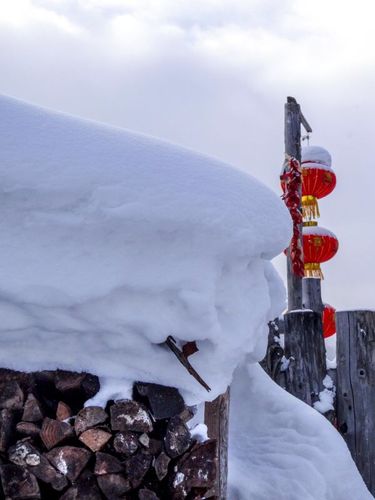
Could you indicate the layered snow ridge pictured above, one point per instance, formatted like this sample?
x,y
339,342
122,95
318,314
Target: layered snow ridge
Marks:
x,y
112,241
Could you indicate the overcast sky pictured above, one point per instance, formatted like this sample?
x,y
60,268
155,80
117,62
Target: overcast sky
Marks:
x,y
213,75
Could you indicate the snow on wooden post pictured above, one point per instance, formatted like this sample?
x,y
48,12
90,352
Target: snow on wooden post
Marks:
x,y
304,355
356,388
292,133
216,417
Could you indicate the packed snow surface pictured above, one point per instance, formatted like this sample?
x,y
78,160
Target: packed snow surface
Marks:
x,y
282,448
112,241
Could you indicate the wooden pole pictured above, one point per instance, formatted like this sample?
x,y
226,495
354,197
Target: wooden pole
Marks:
x,y
356,388
216,417
305,355
312,294
292,136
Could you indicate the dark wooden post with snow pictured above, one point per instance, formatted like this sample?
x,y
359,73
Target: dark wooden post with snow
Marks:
x,y
356,388
312,294
292,132
305,354
216,417
299,366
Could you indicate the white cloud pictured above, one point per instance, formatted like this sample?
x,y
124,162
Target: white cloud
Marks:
x,y
213,75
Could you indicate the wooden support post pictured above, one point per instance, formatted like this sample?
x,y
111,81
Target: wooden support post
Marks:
x,y
292,135
312,294
305,352
216,417
356,388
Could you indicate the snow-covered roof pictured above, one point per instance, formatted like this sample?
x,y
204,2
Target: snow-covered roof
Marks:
x,y
111,241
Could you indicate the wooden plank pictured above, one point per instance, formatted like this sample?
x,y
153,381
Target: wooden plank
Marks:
x,y
216,417
305,350
292,138
356,388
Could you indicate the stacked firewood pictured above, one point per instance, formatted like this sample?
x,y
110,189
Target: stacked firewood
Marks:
x,y
51,446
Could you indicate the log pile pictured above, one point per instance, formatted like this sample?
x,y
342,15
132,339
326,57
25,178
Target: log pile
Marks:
x,y
51,446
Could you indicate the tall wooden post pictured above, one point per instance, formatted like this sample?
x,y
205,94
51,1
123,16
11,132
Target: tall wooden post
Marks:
x,y
312,294
356,388
292,136
305,352
216,417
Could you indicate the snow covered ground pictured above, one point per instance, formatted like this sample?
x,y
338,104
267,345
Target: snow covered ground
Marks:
x,y
111,242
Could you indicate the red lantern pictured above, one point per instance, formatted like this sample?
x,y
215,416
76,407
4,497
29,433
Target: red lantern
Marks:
x,y
318,179
329,321
319,245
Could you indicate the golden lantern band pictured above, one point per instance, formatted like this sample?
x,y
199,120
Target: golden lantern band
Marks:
x,y
313,270
310,207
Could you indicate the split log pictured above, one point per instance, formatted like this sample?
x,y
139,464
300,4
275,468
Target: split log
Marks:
x,y
164,402
63,412
26,455
137,466
32,411
89,417
126,443
177,438
11,396
161,465
95,439
85,488
114,485
28,429
18,483
128,415
69,460
197,469
107,464
6,429
54,432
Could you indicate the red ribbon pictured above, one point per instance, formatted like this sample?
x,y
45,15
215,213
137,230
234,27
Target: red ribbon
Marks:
x,y
292,177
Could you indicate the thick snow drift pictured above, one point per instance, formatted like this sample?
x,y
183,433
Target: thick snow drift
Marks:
x,y
282,448
113,241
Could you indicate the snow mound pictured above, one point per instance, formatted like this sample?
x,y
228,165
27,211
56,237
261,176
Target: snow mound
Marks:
x,y
316,156
282,448
112,241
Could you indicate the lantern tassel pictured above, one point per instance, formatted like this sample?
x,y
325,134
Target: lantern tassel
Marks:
x,y
310,207
312,270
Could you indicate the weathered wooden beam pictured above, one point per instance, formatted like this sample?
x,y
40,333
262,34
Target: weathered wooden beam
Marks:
x,y
216,417
312,294
292,137
356,388
305,355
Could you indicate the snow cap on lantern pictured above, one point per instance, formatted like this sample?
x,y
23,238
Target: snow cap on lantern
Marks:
x,y
318,179
329,321
319,245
